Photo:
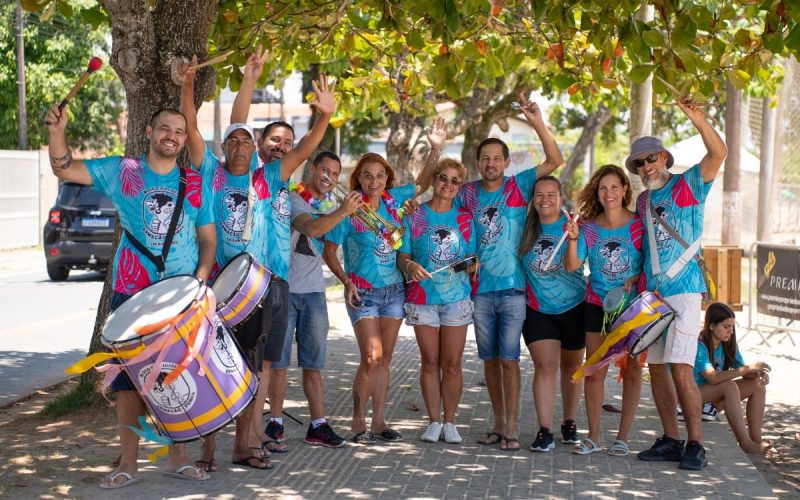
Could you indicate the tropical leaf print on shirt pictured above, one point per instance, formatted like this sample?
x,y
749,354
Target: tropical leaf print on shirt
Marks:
x,y
533,303
419,223
513,195
464,219
131,176
590,233
359,281
682,194
415,294
219,178
131,274
469,195
637,234
194,184
260,184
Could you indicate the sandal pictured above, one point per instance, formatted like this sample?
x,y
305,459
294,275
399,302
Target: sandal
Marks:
x,y
111,483
586,447
181,473
490,438
619,449
504,445
364,437
254,462
275,448
206,465
389,434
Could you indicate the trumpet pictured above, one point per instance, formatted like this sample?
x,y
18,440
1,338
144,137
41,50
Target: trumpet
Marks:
x,y
374,221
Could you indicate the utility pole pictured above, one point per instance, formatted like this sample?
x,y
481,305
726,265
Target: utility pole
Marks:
x,y
22,140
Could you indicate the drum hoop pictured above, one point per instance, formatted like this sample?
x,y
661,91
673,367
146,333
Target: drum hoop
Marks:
x,y
242,279
668,317
140,338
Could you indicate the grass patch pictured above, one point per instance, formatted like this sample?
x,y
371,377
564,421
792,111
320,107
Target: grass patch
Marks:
x,y
80,397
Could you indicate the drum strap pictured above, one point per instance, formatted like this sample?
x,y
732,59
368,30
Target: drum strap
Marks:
x,y
161,260
689,253
251,201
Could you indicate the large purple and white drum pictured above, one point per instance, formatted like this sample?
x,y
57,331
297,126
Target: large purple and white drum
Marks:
x,y
655,316
240,287
202,381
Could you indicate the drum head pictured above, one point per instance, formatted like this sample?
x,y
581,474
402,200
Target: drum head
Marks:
x,y
615,299
231,276
157,302
651,334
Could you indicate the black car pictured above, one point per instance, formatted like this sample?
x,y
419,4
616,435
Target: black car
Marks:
x,y
79,232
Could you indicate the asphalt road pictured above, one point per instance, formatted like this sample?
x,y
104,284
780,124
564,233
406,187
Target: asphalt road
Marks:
x,y
46,326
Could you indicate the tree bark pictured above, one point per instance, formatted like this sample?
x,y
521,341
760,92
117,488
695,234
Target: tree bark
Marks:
x,y
641,117
731,199
145,42
591,127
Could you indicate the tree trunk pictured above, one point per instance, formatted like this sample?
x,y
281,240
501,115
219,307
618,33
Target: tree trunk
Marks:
x,y
591,127
764,224
145,41
731,200
404,151
641,118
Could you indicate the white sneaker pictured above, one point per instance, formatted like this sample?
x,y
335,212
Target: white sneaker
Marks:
x,y
432,433
451,434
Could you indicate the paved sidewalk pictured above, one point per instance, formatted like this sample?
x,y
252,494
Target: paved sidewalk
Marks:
x,y
423,470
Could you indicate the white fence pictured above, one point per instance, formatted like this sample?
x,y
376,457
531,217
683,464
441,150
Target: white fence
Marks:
x,y
26,194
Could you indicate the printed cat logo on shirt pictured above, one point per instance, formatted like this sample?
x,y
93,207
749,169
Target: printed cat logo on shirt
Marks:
x,y
616,257
234,211
157,208
383,250
543,250
443,245
491,221
662,236
280,204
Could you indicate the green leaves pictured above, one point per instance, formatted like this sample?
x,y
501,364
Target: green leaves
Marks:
x,y
639,74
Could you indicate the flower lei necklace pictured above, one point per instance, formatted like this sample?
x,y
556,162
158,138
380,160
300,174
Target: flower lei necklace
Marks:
x,y
320,205
396,213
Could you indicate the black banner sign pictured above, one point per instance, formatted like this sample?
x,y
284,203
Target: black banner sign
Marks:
x,y
778,292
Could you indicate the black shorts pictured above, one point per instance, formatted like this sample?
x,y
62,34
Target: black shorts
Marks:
x,y
594,319
274,320
566,327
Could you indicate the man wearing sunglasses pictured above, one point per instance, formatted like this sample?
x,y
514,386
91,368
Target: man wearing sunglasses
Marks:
x,y
676,201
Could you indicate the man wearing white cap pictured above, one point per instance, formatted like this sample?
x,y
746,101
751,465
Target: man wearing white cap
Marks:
x,y
672,208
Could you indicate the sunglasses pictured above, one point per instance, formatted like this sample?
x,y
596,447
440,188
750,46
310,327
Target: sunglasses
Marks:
x,y
639,162
452,180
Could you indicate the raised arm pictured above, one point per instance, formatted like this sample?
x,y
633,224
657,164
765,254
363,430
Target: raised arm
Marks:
x,y
552,154
320,226
716,150
61,162
437,135
252,72
325,105
194,139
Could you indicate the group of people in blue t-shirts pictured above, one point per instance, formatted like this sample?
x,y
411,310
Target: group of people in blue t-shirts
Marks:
x,y
498,252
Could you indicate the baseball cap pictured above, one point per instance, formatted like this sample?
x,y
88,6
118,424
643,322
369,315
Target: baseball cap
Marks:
x,y
233,127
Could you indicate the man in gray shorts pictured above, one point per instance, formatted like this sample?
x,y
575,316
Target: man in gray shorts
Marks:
x,y
308,313
676,201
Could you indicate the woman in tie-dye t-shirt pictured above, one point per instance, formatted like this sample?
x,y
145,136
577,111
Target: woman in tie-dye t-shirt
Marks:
x,y
610,240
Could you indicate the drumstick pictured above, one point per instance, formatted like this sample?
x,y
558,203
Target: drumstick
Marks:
x,y
95,63
561,241
213,60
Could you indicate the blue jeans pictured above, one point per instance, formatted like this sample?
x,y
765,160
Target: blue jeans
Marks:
x,y
499,317
308,323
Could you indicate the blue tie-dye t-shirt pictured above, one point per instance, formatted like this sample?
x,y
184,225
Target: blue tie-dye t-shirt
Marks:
x,y
555,290
279,224
437,240
369,260
499,222
145,203
229,205
680,203
614,255
702,361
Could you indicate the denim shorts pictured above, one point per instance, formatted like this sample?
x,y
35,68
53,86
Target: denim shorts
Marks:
x,y
308,323
498,323
384,302
453,314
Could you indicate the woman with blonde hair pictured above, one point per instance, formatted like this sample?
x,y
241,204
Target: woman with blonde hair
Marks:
x,y
373,285
610,239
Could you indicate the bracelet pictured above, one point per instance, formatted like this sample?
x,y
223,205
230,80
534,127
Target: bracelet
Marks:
x,y
408,264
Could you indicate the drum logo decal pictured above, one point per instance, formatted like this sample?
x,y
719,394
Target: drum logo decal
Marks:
x,y
615,257
173,398
542,251
444,246
662,236
491,222
226,357
158,206
234,212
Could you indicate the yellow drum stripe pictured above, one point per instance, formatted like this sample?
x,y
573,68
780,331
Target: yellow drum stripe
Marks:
x,y
213,412
249,296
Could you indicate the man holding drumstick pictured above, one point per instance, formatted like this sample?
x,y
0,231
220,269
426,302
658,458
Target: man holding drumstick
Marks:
x,y
143,189
680,198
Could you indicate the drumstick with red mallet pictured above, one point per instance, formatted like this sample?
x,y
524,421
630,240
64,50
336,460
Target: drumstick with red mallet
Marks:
x,y
95,63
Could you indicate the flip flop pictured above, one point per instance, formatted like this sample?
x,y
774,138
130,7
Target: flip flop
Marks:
x,y
246,462
490,438
206,465
179,473
281,448
506,441
111,485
